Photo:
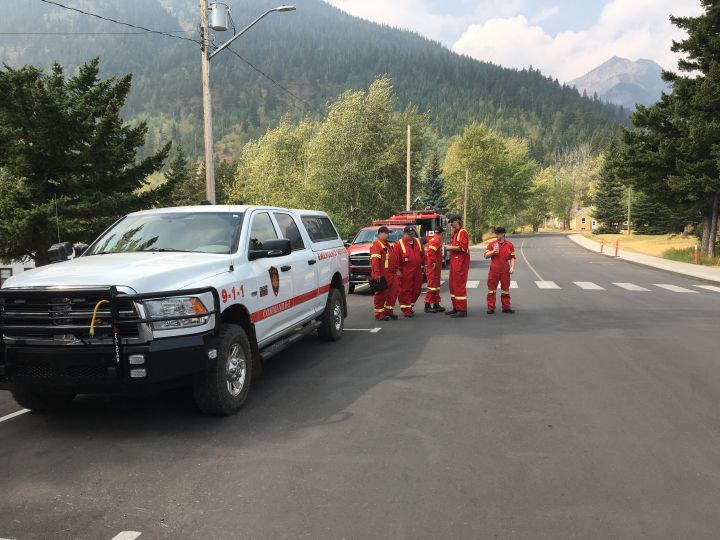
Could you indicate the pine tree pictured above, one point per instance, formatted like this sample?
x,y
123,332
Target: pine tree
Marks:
x,y
187,185
434,189
74,151
650,216
609,200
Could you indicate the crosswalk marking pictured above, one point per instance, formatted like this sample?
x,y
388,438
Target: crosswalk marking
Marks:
x,y
547,285
513,285
631,287
473,284
674,288
709,287
588,286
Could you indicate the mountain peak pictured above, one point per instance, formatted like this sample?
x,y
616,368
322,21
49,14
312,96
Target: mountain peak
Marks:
x,y
624,82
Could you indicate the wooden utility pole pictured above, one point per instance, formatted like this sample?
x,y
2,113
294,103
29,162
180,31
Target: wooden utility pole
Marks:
x,y
467,174
407,187
207,104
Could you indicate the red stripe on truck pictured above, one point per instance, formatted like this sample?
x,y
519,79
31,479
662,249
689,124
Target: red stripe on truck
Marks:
x,y
289,304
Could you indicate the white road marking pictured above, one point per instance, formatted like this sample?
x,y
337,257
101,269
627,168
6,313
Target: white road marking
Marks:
x,y
547,285
442,282
473,284
674,288
631,287
371,330
589,286
513,285
13,415
709,288
127,535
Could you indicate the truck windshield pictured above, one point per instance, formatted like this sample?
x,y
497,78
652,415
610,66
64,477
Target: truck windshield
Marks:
x,y
367,236
201,232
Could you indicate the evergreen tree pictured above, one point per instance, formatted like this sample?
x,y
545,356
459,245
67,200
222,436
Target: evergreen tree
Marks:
x,y
188,186
434,189
609,200
673,154
63,141
649,216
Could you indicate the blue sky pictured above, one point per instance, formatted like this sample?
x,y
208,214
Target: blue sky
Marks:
x,y
563,38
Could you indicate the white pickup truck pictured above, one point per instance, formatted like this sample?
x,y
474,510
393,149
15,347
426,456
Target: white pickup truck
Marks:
x,y
196,296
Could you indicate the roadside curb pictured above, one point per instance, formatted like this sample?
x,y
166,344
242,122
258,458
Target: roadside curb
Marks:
x,y
707,273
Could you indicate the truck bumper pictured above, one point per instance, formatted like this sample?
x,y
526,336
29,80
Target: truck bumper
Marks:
x,y
358,276
95,369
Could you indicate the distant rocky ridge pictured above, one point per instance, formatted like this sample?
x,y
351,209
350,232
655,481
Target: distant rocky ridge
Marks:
x,y
623,82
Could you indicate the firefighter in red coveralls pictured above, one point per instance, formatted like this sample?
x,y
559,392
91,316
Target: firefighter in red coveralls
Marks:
x,y
384,263
433,267
501,253
412,259
459,266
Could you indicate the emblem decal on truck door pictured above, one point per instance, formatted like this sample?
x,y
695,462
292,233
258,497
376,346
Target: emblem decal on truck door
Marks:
x,y
275,279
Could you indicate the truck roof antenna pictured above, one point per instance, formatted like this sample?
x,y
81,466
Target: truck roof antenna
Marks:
x,y
57,219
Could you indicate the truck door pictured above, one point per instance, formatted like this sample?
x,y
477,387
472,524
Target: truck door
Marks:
x,y
274,282
303,272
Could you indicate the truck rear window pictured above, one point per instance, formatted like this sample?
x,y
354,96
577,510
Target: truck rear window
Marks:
x,y
320,228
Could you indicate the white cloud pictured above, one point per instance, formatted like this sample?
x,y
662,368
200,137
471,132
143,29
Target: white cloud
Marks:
x,y
545,14
417,16
627,28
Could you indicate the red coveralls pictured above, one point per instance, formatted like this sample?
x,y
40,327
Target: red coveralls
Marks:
x,y
459,266
433,267
500,272
384,262
411,261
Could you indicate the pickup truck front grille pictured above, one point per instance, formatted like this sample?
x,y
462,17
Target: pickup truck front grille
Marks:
x,y
62,315
360,261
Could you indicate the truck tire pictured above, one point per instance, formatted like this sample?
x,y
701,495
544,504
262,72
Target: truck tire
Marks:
x,y
351,288
333,318
45,402
222,389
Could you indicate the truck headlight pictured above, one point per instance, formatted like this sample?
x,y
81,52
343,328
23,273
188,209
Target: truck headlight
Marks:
x,y
176,307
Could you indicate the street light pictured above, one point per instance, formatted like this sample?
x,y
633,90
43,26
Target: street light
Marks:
x,y
219,17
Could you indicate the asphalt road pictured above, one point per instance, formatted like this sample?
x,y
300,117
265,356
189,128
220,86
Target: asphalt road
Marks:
x,y
590,413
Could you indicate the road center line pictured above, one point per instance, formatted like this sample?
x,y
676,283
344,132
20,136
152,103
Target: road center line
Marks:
x,y
13,415
530,266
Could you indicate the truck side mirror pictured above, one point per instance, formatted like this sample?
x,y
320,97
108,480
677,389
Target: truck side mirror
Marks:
x,y
60,252
80,249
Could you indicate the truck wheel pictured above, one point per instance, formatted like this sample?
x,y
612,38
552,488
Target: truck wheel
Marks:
x,y
222,389
42,401
351,288
333,318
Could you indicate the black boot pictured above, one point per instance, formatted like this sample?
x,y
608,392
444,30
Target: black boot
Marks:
x,y
430,308
438,308
453,311
459,315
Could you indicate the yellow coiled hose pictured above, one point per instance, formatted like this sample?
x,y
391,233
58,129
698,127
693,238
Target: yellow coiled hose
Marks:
x,y
92,322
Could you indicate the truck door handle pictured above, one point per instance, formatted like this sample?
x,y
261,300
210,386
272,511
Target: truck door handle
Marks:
x,y
286,268
312,261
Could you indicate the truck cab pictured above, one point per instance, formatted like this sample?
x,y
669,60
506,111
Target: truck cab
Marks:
x,y
197,296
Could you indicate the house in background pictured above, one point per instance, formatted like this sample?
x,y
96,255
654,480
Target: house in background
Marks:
x,y
14,268
582,220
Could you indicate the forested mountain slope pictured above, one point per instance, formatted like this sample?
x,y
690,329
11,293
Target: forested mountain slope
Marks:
x,y
315,52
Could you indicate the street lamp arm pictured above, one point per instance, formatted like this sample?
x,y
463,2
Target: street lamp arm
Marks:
x,y
241,32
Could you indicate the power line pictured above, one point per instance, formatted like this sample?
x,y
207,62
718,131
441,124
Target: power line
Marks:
x,y
268,77
143,33
148,30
